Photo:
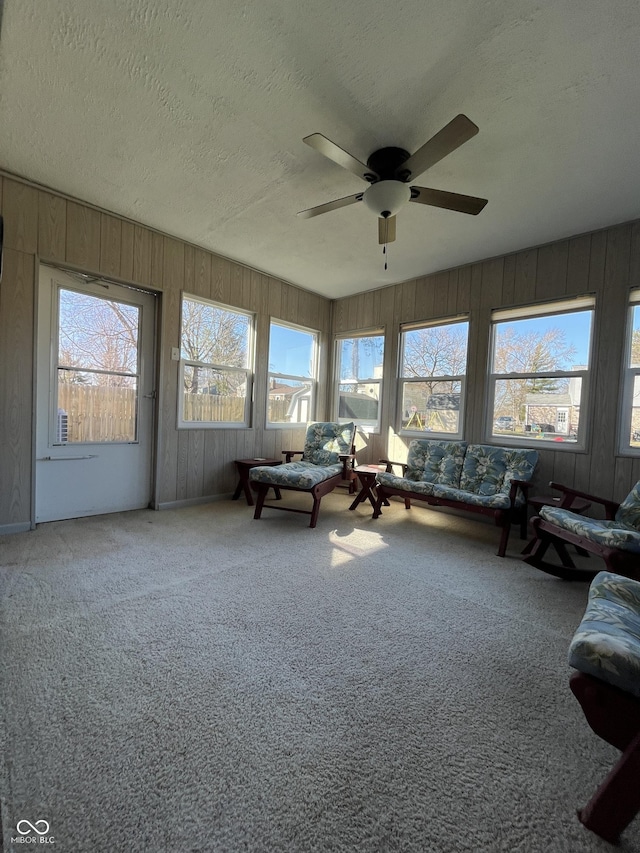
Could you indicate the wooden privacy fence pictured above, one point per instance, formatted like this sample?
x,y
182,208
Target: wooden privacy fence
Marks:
x,y
97,413
103,413
209,407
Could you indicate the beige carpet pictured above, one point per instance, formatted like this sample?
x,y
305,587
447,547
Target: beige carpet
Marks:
x,y
194,680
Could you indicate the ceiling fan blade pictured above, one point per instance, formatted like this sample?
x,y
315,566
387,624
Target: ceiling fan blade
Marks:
x,y
386,229
330,205
452,136
342,158
450,201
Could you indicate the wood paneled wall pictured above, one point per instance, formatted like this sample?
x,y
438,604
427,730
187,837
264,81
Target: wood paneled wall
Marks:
x,y
193,463
606,263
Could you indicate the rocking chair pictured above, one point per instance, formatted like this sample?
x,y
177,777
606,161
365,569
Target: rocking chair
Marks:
x,y
616,538
606,652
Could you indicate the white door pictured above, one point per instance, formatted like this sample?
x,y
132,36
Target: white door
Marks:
x,y
94,399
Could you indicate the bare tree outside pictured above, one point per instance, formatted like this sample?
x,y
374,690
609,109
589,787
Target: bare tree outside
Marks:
x,y
213,336
529,352
435,351
97,335
97,368
436,355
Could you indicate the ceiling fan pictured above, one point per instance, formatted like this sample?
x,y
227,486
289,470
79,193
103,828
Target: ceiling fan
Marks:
x,y
389,170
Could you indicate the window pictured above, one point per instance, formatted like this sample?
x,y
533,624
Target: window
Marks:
x,y
539,373
433,366
98,369
359,380
631,395
292,375
215,368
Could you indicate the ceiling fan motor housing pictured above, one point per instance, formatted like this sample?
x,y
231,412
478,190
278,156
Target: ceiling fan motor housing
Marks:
x,y
386,161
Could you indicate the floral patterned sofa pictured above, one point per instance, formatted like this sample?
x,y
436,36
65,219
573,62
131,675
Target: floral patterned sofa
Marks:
x,y
327,460
479,478
605,651
615,538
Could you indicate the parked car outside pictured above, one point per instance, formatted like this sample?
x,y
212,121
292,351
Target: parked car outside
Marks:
x,y
505,422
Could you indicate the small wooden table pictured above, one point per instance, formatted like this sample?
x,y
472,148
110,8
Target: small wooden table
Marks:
x,y
367,476
244,466
573,504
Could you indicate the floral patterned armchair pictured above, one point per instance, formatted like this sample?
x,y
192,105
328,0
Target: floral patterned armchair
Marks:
x,y
605,651
327,460
615,538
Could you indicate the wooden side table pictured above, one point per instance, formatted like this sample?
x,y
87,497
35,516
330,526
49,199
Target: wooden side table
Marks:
x,y
367,476
244,466
572,503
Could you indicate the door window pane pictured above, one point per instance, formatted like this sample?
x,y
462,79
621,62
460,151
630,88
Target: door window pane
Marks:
x,y
99,334
97,371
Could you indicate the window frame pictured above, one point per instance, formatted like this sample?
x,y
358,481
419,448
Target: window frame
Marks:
x,y
247,371
365,425
553,308
311,380
629,375
402,381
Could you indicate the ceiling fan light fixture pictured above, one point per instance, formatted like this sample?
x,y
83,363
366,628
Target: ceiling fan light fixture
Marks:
x,y
385,198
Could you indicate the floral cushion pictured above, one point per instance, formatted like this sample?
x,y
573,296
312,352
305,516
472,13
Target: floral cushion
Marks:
x,y
488,470
615,534
418,486
629,510
607,641
324,442
435,461
496,501
299,475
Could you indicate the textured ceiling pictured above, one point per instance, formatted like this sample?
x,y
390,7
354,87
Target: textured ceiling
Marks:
x,y
189,117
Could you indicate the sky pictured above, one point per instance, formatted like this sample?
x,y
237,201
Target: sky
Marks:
x,y
576,326
290,351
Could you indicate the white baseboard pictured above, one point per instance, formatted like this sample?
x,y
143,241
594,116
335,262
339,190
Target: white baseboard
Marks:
x,y
20,527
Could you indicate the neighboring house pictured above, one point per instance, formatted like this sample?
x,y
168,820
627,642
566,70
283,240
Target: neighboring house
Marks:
x,y
295,403
552,413
555,412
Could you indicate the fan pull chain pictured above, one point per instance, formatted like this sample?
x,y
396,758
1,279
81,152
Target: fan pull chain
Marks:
x,y
386,239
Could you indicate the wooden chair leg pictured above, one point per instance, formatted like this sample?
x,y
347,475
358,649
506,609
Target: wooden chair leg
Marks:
x,y
524,520
617,800
377,510
261,494
504,538
315,511
536,549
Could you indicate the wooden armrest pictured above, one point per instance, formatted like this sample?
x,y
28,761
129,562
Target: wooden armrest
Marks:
x,y
288,454
524,485
390,464
344,458
610,507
